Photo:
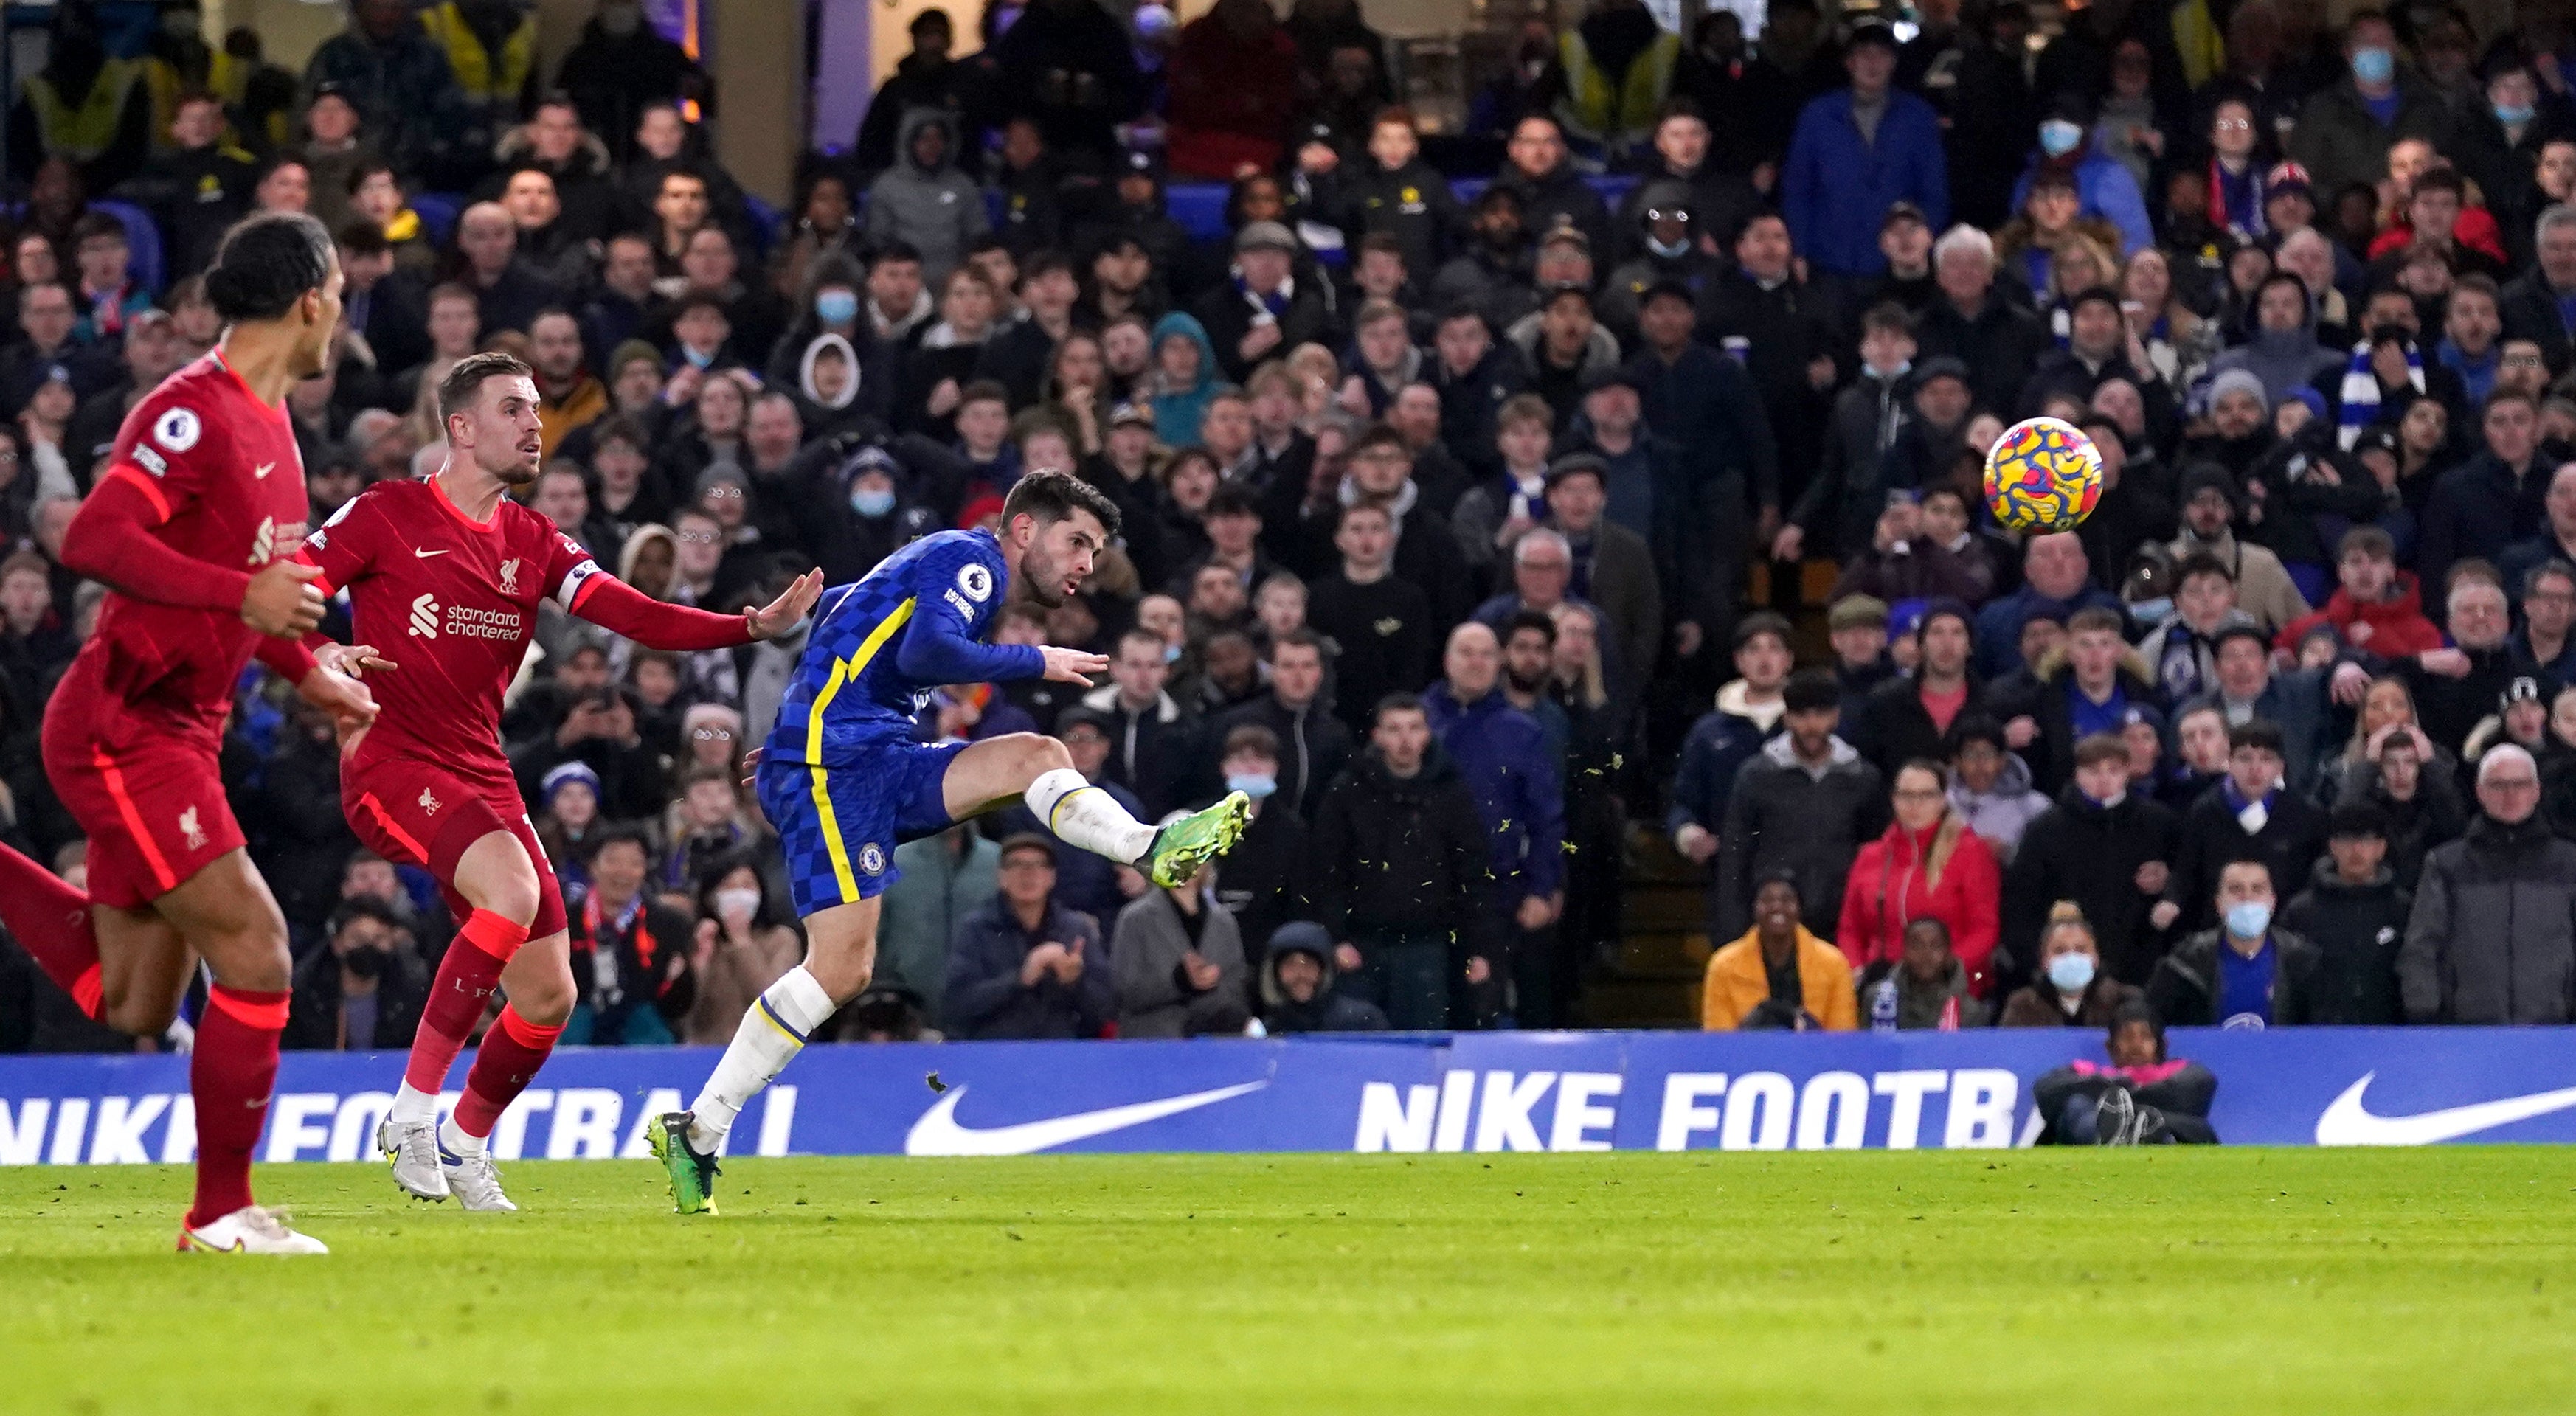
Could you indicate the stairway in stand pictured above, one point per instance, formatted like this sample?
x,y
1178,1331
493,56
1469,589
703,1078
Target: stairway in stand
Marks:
x,y
1653,980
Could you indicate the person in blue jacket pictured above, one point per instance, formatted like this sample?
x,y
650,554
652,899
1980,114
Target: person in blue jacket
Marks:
x,y
1857,152
1502,752
2103,186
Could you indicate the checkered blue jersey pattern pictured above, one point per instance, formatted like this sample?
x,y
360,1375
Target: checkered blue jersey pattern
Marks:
x,y
880,645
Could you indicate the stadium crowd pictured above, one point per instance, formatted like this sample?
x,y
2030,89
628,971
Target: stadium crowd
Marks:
x,y
1492,542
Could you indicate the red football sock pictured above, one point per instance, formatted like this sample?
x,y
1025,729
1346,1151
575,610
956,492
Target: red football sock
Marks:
x,y
513,1049
51,922
467,975
231,1073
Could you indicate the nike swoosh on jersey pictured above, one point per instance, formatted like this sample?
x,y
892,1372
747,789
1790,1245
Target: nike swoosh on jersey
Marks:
x,y
2347,1122
939,1133
262,470
424,555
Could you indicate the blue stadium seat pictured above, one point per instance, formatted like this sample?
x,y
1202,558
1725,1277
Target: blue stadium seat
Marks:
x,y
768,227
1200,206
438,213
142,241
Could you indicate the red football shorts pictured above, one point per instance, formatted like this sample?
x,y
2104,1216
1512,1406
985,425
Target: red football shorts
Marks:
x,y
419,813
151,800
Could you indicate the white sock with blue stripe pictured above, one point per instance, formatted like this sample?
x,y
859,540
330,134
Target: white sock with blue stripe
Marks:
x,y
1081,814
773,1031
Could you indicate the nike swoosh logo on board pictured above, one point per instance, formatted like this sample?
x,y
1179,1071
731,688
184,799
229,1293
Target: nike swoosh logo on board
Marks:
x,y
2347,1122
938,1132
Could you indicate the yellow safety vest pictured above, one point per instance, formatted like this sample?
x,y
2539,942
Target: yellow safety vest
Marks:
x,y
229,79
1589,108
483,88
81,133
2199,42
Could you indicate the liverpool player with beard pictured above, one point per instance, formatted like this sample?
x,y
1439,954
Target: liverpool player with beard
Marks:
x,y
193,528
451,569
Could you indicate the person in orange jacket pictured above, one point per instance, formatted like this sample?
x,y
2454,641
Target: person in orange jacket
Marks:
x,y
1927,864
1778,971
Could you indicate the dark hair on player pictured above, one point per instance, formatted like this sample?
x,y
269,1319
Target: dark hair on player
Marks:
x,y
464,382
267,263
1052,496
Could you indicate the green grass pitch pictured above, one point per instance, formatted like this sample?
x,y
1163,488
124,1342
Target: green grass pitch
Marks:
x,y
2161,1280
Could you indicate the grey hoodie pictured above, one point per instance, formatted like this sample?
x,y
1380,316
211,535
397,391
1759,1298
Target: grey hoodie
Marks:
x,y
938,209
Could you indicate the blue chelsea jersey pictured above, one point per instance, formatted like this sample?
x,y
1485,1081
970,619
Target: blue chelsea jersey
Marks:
x,y
881,645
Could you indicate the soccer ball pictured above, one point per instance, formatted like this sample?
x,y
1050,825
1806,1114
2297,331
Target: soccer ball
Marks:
x,y
2044,475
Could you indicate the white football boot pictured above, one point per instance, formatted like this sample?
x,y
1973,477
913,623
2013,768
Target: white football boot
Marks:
x,y
475,1181
248,1230
414,1148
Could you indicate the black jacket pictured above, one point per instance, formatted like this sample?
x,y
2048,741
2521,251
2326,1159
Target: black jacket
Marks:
x,y
1560,198
2088,854
1330,1009
1787,327
1263,881
2492,938
1226,311
1313,746
2530,311
2184,990
1402,855
2000,346
2292,838
1385,639
1894,725
313,1020
1781,816
2358,930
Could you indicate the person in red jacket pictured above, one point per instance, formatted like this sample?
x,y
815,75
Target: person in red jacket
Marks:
x,y
1234,90
2375,607
1928,864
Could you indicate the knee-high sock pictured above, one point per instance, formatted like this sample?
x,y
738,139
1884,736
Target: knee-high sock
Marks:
x,y
51,922
231,1074
773,1031
467,974
513,1049
1083,815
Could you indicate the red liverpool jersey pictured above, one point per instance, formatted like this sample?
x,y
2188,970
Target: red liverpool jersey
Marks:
x,y
225,485
452,602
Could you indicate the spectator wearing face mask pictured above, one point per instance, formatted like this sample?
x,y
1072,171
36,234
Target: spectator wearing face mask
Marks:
x,y
361,992
1263,884
2248,971
2068,986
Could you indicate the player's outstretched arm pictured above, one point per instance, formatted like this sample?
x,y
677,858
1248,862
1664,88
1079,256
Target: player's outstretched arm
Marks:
x,y
615,605
110,540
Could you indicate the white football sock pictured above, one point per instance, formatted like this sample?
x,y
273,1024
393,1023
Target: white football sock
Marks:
x,y
412,1105
458,1144
772,1032
1083,815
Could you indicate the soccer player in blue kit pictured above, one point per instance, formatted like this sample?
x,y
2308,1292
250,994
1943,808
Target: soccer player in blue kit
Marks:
x,y
844,777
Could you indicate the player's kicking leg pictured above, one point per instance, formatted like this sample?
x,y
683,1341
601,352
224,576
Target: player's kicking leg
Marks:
x,y
841,934
507,896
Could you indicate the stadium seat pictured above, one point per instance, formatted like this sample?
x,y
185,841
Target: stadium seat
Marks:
x,y
438,212
767,225
142,240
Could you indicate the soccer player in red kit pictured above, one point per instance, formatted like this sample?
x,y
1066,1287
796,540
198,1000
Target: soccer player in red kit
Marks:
x,y
193,527
447,572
